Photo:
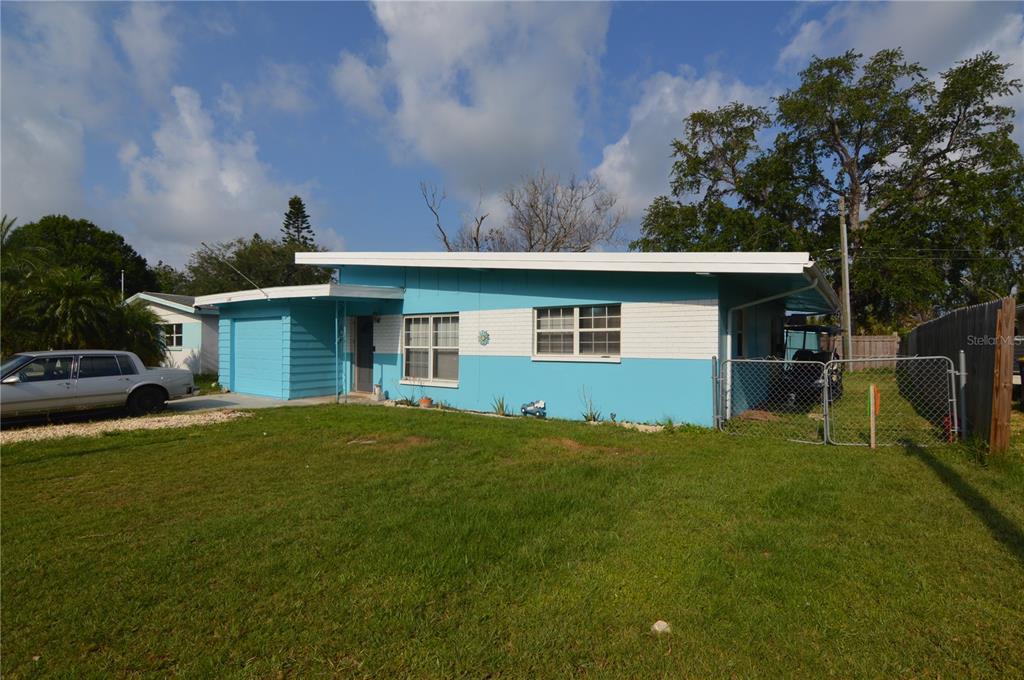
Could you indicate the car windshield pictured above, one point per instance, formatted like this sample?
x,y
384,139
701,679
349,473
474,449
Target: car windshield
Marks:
x,y
13,362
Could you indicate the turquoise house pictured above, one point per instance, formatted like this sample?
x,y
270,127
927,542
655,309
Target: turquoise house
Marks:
x,y
635,334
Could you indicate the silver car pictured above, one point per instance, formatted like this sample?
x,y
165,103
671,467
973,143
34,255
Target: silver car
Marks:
x,y
35,383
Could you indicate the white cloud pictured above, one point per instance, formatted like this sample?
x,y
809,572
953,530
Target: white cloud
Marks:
x,y
485,91
196,186
230,102
150,46
358,84
806,43
282,87
637,166
59,79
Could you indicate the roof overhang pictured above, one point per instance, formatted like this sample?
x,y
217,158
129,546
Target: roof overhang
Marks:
x,y
177,306
694,263
821,287
317,291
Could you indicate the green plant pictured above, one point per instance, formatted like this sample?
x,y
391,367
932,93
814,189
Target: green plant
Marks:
x,y
590,412
500,406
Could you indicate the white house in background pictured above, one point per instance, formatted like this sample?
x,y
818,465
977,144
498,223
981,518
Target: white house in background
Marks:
x,y
190,332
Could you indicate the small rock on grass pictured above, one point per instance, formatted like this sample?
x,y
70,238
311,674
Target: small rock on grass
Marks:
x,y
661,627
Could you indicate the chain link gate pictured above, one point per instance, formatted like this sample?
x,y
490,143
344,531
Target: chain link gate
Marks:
x,y
773,399
818,402
915,402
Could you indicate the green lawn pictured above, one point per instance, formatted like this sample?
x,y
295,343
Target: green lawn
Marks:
x,y
385,542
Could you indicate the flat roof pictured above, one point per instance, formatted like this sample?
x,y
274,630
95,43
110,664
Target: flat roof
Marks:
x,y
696,263
319,290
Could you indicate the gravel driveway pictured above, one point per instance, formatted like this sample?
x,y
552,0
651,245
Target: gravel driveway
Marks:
x,y
94,429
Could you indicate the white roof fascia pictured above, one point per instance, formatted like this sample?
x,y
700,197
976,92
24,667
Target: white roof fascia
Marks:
x,y
710,263
320,290
165,303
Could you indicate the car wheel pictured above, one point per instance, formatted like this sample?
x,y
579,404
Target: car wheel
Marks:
x,y
146,400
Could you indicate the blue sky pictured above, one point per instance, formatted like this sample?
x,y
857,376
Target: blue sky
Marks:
x,y
175,123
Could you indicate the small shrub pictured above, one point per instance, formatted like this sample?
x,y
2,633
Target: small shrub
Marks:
x,y
590,412
500,406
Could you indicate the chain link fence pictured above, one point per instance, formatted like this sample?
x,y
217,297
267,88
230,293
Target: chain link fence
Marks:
x,y
773,399
818,402
915,401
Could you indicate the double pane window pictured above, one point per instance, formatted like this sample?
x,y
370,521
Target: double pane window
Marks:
x,y
432,347
593,330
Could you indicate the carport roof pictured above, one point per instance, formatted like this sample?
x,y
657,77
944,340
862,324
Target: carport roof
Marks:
x,y
321,290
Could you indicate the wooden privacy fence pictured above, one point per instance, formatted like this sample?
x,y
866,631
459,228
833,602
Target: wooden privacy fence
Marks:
x,y
870,347
985,334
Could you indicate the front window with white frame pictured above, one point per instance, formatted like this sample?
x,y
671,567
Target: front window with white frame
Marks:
x,y
589,332
172,334
431,348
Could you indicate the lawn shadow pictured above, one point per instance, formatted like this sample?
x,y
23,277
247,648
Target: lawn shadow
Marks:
x,y
998,524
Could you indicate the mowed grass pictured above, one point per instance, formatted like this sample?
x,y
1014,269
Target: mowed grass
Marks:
x,y
381,542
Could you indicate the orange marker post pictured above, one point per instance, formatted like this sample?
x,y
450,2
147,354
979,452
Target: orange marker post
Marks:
x,y
874,400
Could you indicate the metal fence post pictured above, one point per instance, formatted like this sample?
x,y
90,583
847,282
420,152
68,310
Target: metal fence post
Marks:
x,y
962,405
714,392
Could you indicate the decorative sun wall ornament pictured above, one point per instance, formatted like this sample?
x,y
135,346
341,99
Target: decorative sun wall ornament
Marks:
x,y
484,337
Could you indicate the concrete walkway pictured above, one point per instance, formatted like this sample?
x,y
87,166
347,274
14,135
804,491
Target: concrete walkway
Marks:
x,y
222,400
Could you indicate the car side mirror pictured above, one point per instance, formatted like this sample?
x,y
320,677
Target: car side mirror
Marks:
x,y
11,379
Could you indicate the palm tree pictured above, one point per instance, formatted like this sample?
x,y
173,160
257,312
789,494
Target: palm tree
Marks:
x,y
135,328
71,306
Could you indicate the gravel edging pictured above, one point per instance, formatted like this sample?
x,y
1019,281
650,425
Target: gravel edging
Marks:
x,y
95,429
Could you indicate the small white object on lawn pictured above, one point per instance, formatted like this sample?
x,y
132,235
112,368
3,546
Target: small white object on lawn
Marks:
x,y
661,627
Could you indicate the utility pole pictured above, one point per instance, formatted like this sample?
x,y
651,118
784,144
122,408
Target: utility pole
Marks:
x,y
847,330
122,285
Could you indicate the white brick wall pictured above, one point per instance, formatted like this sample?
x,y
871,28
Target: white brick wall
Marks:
x,y
650,330
670,330
510,330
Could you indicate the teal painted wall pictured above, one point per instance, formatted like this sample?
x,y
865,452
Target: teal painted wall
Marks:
x,y
639,390
455,290
224,348
309,354
192,335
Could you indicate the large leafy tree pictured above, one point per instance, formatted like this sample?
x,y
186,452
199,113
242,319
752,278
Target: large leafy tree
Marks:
x,y
266,262
931,177
72,308
45,303
72,242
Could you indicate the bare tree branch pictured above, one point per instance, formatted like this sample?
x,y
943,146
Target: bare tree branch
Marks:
x,y
434,200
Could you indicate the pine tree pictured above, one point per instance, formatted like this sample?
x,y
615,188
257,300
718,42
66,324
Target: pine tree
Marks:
x,y
296,227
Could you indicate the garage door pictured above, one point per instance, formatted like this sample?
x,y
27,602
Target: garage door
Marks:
x,y
256,357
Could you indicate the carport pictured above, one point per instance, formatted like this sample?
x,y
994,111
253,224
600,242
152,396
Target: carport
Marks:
x,y
291,342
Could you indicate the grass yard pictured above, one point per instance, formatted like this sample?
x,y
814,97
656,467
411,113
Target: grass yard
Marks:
x,y
369,541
